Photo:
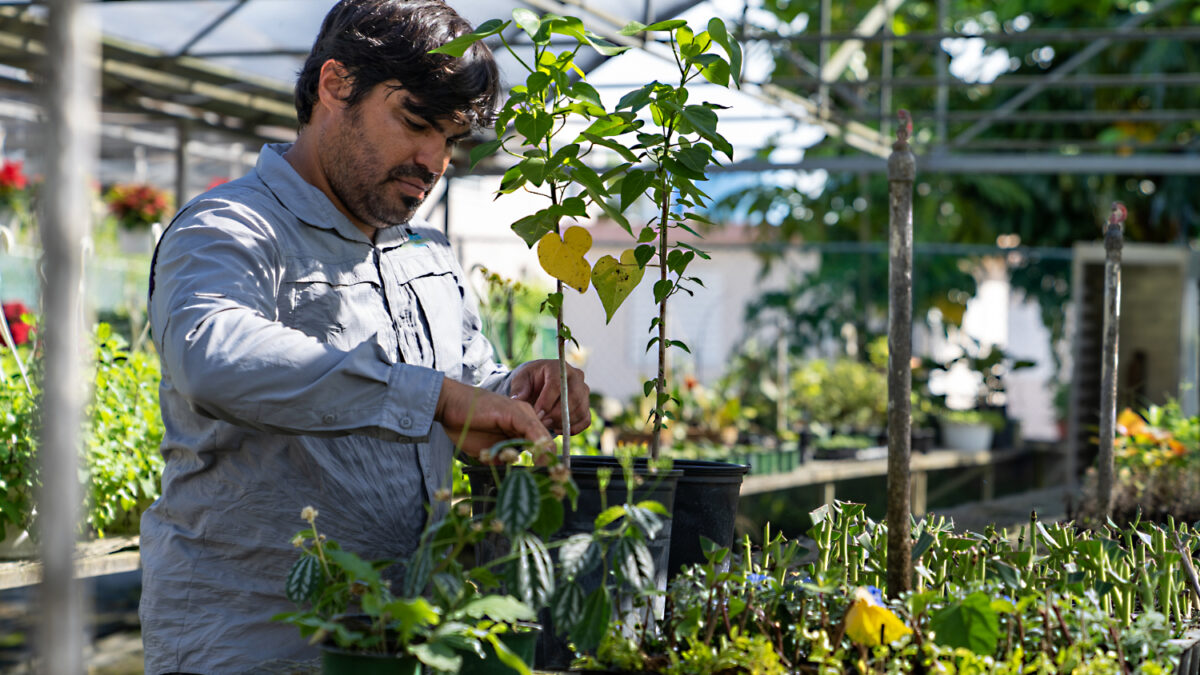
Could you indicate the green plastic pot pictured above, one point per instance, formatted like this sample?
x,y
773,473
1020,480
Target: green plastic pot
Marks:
x,y
337,661
522,642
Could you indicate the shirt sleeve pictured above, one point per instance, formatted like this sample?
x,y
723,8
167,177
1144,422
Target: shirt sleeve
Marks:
x,y
479,365
214,317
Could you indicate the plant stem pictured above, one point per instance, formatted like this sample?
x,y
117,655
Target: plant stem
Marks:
x,y
562,375
660,386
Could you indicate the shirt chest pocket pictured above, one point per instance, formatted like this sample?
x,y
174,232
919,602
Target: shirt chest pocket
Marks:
x,y
439,303
340,304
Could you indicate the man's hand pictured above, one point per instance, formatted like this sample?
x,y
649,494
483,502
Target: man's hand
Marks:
x,y
537,382
477,419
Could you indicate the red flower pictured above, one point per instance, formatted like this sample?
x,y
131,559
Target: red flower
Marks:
x,y
13,311
12,177
217,180
138,204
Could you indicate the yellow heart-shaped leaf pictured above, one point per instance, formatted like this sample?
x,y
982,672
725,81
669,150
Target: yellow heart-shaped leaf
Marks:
x,y
563,258
614,280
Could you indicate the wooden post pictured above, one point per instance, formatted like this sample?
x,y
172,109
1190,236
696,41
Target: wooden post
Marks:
x,y
1113,241
71,113
902,171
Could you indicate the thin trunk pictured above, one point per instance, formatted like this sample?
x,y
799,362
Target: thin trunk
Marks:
x,y
1113,240
901,174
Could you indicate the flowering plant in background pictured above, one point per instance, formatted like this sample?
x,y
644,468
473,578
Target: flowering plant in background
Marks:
x,y
137,204
1158,437
13,181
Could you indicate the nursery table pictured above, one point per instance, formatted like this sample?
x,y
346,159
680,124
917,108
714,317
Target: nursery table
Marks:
x,y
97,558
827,473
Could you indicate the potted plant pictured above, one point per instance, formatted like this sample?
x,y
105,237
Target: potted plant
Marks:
x,y
349,607
969,430
137,207
675,152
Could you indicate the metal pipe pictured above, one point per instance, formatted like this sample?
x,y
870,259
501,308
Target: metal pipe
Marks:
x,y
1083,56
1037,36
181,162
72,117
1113,242
902,172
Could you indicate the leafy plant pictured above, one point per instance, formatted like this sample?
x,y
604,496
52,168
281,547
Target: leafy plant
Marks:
x,y
1156,457
989,417
137,204
1049,599
664,163
122,434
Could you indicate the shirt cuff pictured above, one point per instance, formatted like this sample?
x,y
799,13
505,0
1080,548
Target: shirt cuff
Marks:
x,y
412,398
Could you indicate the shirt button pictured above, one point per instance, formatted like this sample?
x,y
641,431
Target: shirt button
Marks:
x,y
329,418
405,422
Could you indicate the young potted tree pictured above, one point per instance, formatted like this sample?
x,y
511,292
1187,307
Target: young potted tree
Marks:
x,y
664,162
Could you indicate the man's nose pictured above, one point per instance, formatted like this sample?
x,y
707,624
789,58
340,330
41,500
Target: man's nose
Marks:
x,y
433,154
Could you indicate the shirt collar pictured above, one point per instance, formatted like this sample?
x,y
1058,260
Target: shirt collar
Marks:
x,y
309,205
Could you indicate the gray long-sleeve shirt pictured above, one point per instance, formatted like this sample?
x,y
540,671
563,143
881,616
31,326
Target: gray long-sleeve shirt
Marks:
x,y
301,366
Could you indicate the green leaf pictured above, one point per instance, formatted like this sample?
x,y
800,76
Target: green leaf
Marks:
x,y
459,45
607,516
437,656
633,562
716,29
662,288
634,185
535,125
507,656
610,125
714,69
585,92
578,555
638,98
593,624
615,279
704,121
485,150
634,27
518,502
528,20
971,623
923,543
305,580
646,520
534,169
609,143
695,157
503,608
537,82
644,253
550,517
566,607
512,180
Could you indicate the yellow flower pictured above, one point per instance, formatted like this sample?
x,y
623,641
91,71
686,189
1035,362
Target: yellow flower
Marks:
x,y
867,621
1132,422
308,513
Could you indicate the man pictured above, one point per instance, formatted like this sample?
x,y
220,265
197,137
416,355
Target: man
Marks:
x,y
319,350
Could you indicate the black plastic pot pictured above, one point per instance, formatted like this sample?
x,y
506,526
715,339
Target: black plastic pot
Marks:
x,y
552,650
706,504
523,642
335,661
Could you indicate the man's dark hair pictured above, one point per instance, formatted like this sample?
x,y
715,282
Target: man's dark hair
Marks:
x,y
381,40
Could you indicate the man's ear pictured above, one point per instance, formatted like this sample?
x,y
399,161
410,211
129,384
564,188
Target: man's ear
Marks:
x,y
334,84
